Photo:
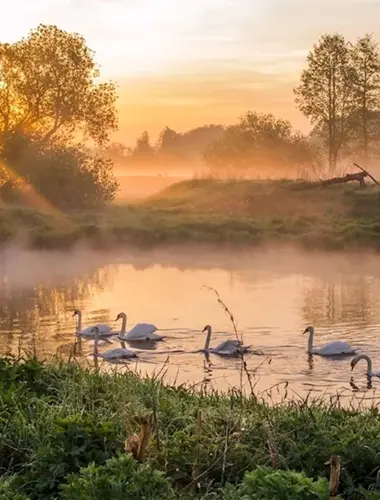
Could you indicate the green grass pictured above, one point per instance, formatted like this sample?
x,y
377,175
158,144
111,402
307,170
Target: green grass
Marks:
x,y
212,211
63,430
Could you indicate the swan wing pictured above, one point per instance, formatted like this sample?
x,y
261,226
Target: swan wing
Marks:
x,y
227,347
104,331
141,330
119,353
335,349
154,337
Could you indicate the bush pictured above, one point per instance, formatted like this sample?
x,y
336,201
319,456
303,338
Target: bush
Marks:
x,y
8,491
67,176
264,483
120,478
78,440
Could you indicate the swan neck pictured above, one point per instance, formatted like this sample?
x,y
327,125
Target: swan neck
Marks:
x,y
123,324
96,343
369,363
310,342
208,339
79,322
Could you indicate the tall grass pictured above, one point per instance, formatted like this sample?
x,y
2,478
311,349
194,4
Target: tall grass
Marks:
x,y
58,418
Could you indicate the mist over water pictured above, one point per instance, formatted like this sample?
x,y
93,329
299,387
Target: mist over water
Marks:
x,y
273,292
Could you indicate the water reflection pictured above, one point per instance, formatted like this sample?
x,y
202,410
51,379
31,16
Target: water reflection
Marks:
x,y
274,294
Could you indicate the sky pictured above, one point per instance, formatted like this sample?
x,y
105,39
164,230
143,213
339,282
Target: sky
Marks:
x,y
184,63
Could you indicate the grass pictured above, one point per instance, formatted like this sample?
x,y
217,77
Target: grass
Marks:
x,y
212,211
63,431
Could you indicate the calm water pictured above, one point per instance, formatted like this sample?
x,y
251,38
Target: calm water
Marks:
x,y
273,293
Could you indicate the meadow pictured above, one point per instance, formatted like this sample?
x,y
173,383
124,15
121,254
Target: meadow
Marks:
x,y
210,211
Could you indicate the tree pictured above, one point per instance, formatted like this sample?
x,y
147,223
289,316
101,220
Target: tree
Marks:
x,y
68,176
325,94
168,141
48,88
365,119
259,140
143,147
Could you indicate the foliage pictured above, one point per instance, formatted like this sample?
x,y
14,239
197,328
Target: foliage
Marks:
x,y
364,122
325,93
143,147
259,140
77,441
63,429
66,176
9,491
120,478
264,482
48,87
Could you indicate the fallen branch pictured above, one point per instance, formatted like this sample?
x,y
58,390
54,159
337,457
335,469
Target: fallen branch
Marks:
x,y
367,173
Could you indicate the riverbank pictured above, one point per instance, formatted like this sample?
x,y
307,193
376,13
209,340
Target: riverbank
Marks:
x,y
67,431
211,211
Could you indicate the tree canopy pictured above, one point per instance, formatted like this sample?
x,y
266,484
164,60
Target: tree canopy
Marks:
x,y
48,86
259,140
49,100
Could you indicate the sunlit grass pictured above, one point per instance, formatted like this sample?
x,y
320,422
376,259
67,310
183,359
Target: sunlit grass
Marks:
x,y
56,418
208,210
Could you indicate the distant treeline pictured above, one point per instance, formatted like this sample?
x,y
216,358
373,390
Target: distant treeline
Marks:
x,y
339,91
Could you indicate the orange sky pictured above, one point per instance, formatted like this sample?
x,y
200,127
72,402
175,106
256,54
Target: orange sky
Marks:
x,y
183,63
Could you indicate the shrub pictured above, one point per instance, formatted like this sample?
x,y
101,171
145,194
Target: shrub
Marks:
x,y
77,441
120,478
264,483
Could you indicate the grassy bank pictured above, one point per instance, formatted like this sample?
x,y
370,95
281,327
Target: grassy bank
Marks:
x,y
63,432
214,212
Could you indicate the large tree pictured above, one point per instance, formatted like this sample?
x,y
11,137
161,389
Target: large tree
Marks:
x,y
365,119
325,94
48,87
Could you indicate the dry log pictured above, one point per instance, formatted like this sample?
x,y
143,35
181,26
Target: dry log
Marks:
x,y
358,177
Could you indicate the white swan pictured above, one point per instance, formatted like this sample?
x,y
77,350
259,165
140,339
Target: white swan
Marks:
x,y
370,373
336,348
113,354
142,331
88,333
226,348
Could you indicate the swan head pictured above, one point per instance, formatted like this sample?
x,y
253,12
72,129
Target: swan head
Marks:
x,y
353,363
309,329
120,316
207,329
76,312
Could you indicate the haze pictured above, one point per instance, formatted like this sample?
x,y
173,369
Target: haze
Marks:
x,y
180,63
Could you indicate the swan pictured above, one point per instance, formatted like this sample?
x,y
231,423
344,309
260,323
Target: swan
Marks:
x,y
226,348
370,373
142,331
336,348
113,354
88,333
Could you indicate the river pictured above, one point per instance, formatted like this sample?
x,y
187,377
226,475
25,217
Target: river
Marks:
x,y
274,293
